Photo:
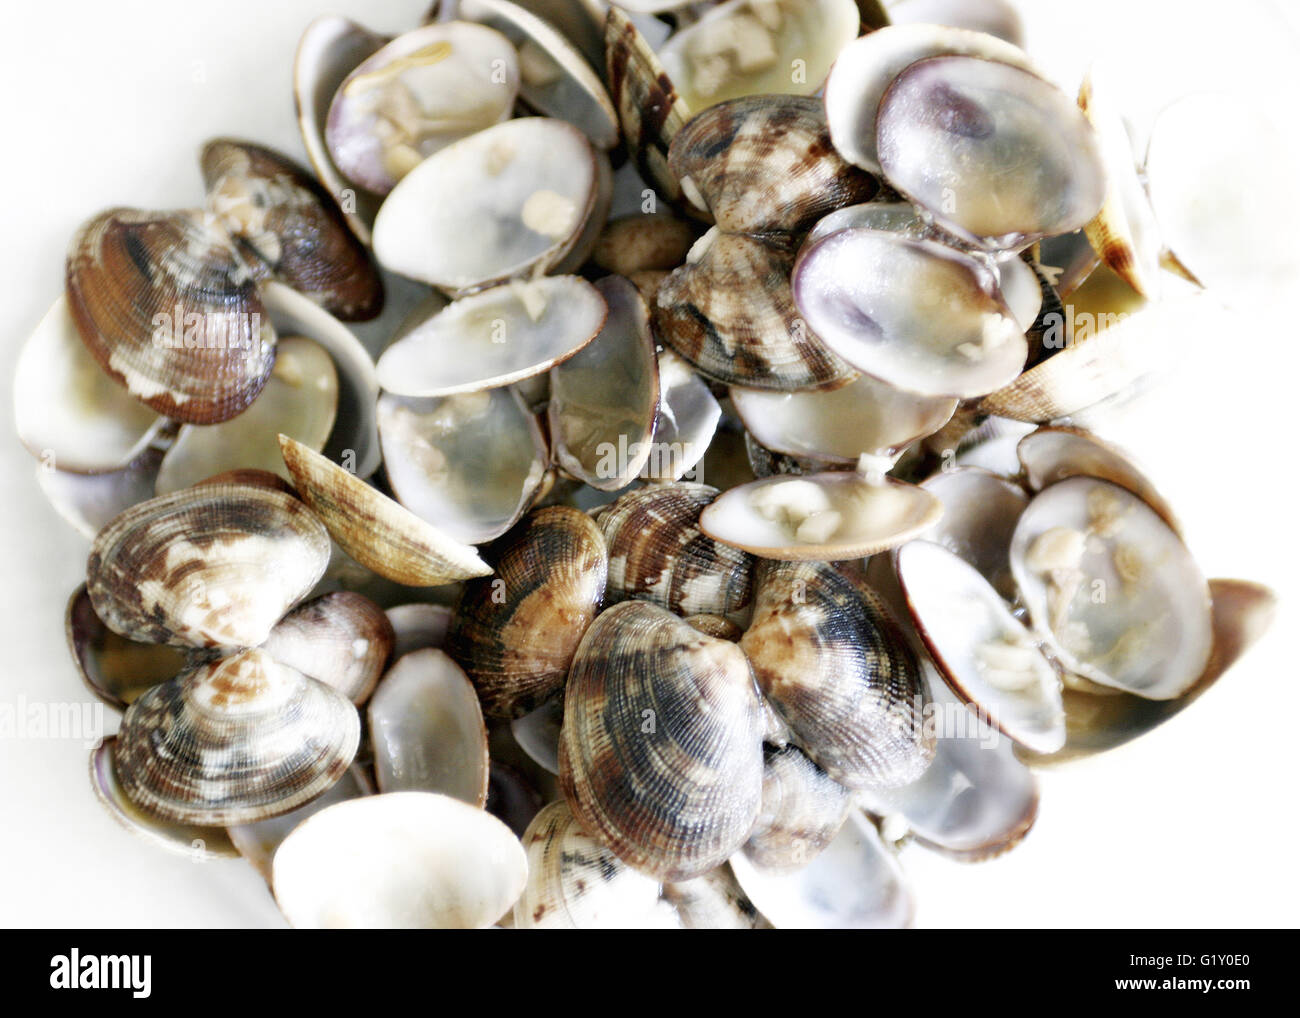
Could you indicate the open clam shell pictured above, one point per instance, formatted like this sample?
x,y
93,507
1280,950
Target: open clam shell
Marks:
x,y
341,639
398,860
684,426
839,674
577,883
503,335
980,510
374,529
420,93
1112,589
526,190
194,840
87,502
834,515
234,741
209,566
920,316
68,411
986,655
282,217
515,633
604,399
418,625
435,451
427,730
661,752
115,669
743,48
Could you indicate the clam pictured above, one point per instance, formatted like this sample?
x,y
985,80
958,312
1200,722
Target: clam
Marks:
x,y
402,859
1112,589
657,552
504,334
341,639
211,566
538,734
980,510
605,399
833,515
986,655
435,451
1067,260
330,49
920,316
526,189
194,840
575,882
419,625
855,883
68,411
374,529
994,17
420,93
515,633
839,674
427,730
169,310
684,426
643,241
661,751
283,219
87,502
115,669
714,901
234,741
300,399
758,47
803,809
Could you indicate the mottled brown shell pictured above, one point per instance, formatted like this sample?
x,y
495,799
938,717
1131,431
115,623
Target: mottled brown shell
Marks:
x,y
661,751
840,675
278,213
515,633
234,741
211,566
658,553
341,639
168,309
803,809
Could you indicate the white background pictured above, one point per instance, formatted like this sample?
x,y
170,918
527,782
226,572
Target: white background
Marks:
x,y
107,103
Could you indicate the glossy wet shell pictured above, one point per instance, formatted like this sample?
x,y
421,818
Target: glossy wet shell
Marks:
x,y
115,669
130,273
661,751
211,566
341,639
839,674
658,553
234,741
515,633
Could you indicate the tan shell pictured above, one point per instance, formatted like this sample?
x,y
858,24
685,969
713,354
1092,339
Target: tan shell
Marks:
x,y
210,566
341,639
374,529
131,275
515,633
661,751
234,741
803,809
658,553
840,675
643,241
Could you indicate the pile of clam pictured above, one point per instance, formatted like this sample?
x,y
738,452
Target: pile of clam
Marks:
x,y
458,636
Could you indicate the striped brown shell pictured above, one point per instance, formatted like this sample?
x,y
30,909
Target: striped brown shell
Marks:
x,y
170,310
661,751
211,566
240,739
839,674
277,212
515,633
342,639
803,809
657,552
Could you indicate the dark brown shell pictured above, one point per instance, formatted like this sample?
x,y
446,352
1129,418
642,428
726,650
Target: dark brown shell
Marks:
x,y
661,750
280,215
803,809
840,675
658,553
169,309
765,164
515,633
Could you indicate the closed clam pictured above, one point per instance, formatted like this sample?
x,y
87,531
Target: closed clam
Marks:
x,y
210,566
657,552
713,901
169,310
803,809
515,633
234,741
839,674
341,639
661,751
